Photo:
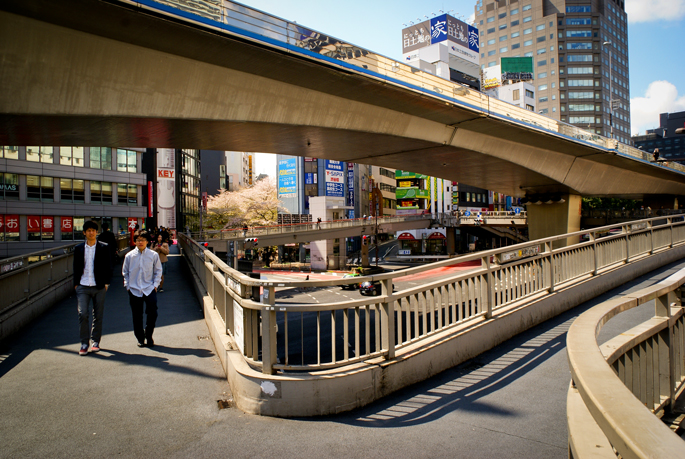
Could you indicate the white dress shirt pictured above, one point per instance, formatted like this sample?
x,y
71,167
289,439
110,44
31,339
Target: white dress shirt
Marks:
x,y
142,271
88,277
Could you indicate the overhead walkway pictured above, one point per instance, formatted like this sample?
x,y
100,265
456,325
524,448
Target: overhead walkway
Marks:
x,y
163,402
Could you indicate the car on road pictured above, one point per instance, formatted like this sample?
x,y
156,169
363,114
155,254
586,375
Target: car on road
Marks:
x,y
370,288
351,286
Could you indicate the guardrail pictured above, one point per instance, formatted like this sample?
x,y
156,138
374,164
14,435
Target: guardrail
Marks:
x,y
259,231
379,326
619,386
239,20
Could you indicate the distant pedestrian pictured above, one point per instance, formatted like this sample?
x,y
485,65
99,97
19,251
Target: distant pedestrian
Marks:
x,y
162,249
92,276
245,228
318,223
110,239
142,273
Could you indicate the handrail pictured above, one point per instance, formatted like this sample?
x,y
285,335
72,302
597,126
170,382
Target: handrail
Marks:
x,y
623,382
506,277
235,19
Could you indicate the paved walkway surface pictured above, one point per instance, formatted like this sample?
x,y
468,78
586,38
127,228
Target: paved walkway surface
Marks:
x,y
162,402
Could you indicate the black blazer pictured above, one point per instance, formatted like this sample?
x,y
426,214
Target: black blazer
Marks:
x,y
102,264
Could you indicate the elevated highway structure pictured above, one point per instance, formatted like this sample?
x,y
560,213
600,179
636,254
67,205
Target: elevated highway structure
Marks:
x,y
221,76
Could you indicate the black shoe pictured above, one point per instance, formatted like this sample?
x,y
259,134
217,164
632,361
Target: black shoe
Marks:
x,y
150,342
140,344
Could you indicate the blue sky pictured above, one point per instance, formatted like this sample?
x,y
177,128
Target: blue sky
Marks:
x,y
656,32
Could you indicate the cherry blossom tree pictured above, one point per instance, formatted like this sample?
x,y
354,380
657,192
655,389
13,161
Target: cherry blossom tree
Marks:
x,y
257,205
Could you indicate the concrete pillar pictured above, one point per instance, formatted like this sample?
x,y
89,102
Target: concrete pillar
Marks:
x,y
451,241
303,253
546,220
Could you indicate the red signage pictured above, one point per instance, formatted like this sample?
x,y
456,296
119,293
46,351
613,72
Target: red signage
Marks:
x,y
12,223
132,222
33,223
406,237
165,173
149,198
67,224
47,224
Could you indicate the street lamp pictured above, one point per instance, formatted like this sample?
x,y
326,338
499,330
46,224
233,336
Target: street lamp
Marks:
x,y
611,92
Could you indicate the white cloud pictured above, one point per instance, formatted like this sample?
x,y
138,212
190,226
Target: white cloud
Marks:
x,y
655,10
660,97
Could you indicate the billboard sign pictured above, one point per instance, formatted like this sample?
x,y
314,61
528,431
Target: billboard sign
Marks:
x,y
166,187
287,178
416,36
491,77
460,38
335,178
350,188
517,68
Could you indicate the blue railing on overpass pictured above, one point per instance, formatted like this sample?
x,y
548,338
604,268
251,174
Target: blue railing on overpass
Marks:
x,y
257,26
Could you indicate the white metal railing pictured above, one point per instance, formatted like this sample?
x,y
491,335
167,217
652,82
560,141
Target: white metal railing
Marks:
x,y
248,23
260,231
619,386
337,334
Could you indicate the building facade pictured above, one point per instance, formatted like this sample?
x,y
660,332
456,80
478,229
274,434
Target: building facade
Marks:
x,y
580,49
49,192
671,146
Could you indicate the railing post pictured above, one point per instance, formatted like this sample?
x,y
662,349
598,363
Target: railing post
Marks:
x,y
388,320
489,285
670,224
550,261
593,239
667,377
269,331
651,236
627,236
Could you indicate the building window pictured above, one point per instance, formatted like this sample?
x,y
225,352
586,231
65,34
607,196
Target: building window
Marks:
x,y
515,34
578,34
9,152
581,119
516,93
578,9
540,27
576,83
579,45
503,50
542,75
544,111
502,15
542,62
126,160
503,38
514,11
39,154
541,51
491,30
541,39
530,94
579,70
502,26
543,99
9,187
516,46
492,53
40,228
128,194
580,107
100,192
492,63
71,156
579,58
530,107
527,31
527,7
491,41
529,54
578,21
40,188
514,23
72,190
542,87
101,158
528,43
491,19
527,19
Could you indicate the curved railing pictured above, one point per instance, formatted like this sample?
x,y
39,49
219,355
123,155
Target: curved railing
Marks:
x,y
619,386
351,331
250,24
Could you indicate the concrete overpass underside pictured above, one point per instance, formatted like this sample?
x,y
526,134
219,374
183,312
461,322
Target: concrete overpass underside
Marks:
x,y
99,73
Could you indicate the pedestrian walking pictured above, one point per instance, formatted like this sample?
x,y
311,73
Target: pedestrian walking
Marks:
x,y
142,273
110,239
162,248
92,276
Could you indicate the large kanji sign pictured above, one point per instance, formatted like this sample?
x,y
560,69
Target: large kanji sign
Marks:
x,y
12,223
47,224
33,223
67,225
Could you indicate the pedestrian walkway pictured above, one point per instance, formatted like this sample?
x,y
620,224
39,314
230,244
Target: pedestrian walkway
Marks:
x,y
162,402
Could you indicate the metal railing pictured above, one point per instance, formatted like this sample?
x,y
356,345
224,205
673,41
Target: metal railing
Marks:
x,y
342,333
259,231
239,20
619,386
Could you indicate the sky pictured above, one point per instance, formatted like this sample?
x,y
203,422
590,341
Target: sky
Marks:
x,y
656,38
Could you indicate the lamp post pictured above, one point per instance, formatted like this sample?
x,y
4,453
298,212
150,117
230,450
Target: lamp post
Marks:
x,y
611,92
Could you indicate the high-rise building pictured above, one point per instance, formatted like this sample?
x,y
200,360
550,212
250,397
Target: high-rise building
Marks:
x,y
580,50
665,139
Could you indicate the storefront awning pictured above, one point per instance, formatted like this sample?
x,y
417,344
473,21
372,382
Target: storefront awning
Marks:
x,y
406,237
437,236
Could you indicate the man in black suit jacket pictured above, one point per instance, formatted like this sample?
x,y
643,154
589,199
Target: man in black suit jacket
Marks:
x,y
92,276
110,239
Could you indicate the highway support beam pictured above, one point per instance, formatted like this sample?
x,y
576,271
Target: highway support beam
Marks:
x,y
546,220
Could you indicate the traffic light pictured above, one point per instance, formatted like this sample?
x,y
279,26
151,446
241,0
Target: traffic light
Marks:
x,y
365,240
251,242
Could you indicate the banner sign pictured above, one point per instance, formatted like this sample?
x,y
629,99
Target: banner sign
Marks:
x,y
67,224
33,223
350,188
335,178
166,187
287,178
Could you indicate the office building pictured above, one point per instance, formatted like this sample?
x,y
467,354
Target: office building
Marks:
x,y
48,192
671,145
580,50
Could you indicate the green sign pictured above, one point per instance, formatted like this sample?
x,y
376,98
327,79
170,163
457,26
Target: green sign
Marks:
x,y
517,64
404,174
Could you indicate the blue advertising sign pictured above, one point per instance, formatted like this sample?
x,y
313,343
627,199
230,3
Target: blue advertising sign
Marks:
x,y
287,177
335,178
333,165
467,213
309,178
473,38
335,189
439,29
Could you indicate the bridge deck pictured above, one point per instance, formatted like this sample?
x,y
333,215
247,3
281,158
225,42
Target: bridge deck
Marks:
x,y
162,402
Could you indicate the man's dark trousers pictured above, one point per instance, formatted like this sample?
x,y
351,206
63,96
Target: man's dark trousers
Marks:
x,y
84,295
137,312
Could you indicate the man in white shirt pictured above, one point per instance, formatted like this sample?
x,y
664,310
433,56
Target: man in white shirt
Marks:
x,y
142,272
